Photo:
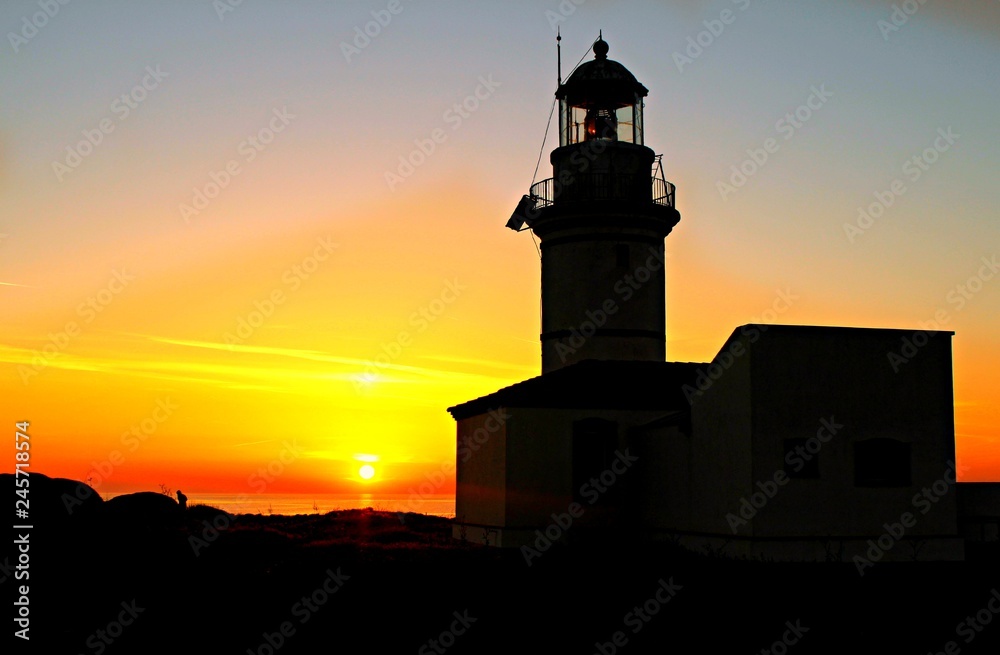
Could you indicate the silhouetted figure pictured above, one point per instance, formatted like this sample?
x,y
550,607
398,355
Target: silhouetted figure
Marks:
x,y
182,499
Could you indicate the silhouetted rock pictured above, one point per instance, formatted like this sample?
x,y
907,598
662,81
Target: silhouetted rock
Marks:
x,y
214,515
143,507
55,501
243,576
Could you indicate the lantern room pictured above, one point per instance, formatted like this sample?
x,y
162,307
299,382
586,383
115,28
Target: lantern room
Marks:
x,y
601,100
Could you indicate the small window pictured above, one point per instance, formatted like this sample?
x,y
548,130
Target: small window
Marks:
x,y
594,443
800,461
622,256
882,463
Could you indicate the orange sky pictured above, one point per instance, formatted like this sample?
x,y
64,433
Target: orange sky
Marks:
x,y
313,316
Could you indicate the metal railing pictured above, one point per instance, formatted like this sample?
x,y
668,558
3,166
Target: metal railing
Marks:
x,y
603,186
663,192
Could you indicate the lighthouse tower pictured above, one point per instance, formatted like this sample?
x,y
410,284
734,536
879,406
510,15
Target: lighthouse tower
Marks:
x,y
543,460
601,220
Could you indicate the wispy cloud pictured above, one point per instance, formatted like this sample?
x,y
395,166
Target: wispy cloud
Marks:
x,y
519,368
253,368
252,443
355,363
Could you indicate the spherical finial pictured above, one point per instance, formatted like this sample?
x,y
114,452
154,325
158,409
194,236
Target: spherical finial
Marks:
x,y
601,49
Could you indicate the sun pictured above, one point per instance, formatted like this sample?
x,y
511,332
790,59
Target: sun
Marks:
x,y
366,470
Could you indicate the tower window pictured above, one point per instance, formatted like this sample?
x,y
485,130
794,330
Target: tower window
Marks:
x,y
622,255
800,462
602,124
594,443
882,463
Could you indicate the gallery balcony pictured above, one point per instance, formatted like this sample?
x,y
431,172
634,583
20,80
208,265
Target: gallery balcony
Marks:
x,y
596,187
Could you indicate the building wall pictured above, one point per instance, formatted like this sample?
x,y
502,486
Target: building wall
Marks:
x,y
727,487
835,387
540,475
481,471
721,420
839,385
523,474
661,491
979,510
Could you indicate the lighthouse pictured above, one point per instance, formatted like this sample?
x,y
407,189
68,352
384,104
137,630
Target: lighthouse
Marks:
x,y
601,220
793,443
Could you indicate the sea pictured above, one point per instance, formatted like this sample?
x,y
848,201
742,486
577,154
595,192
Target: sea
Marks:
x,y
293,504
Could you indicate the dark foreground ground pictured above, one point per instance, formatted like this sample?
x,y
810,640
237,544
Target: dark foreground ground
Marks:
x,y
140,576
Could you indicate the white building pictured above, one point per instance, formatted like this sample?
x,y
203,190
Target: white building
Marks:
x,y
795,442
